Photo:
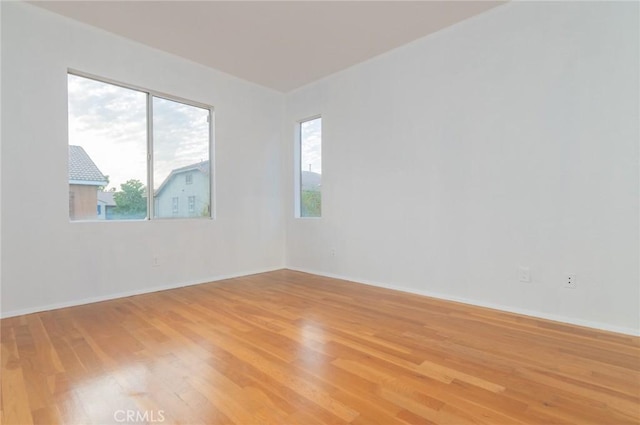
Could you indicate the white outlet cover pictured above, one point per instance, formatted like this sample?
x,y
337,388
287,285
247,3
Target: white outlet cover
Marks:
x,y
570,281
524,274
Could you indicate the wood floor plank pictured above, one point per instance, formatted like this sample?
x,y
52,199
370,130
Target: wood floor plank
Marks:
x,y
16,407
286,347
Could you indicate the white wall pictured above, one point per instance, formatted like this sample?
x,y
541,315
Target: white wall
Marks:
x,y
48,261
509,139
1,125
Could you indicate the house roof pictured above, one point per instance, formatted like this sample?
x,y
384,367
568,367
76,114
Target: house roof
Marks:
x,y
82,170
310,180
202,167
106,198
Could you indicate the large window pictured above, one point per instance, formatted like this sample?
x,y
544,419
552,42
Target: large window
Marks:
x,y
136,153
310,167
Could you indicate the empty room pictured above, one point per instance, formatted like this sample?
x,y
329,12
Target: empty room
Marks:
x,y
310,212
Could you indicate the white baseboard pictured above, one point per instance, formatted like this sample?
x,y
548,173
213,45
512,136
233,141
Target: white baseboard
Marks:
x,y
524,312
90,300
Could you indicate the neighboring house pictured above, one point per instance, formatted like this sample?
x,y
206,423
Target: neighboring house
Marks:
x,y
84,180
106,205
311,181
185,192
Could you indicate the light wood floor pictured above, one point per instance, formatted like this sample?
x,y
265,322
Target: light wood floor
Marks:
x,y
292,348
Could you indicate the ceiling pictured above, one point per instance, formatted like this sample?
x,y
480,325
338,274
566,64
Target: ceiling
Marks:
x,y
278,44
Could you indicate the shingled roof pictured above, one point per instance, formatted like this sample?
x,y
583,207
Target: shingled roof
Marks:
x,y
82,170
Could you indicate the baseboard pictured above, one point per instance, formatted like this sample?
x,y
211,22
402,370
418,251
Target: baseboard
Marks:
x,y
117,295
524,312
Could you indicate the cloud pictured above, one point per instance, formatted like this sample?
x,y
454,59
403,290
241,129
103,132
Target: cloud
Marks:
x,y
180,136
311,145
110,122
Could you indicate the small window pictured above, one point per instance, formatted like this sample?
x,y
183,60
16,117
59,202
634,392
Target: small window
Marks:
x,y
175,205
192,204
310,168
188,178
99,209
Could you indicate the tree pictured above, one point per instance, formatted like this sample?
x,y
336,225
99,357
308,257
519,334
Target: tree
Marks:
x,y
206,212
130,201
102,188
311,203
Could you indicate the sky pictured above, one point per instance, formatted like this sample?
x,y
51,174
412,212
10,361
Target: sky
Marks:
x,y
311,145
110,123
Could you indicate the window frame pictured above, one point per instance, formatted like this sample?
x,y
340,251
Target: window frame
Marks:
x,y
150,95
297,199
175,205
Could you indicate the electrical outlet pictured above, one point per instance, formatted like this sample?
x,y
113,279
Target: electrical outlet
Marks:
x,y
524,274
570,281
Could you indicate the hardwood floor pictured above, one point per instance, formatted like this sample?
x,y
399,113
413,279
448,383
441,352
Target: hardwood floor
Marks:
x,y
292,348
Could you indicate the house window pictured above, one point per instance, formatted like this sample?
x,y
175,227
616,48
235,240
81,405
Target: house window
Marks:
x,y
113,129
175,206
72,202
99,209
192,204
309,167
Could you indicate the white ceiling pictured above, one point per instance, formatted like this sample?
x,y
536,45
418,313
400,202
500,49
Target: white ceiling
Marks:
x,y
277,44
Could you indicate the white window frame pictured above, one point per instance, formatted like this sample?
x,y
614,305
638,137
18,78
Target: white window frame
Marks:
x,y
150,94
191,204
175,205
297,153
